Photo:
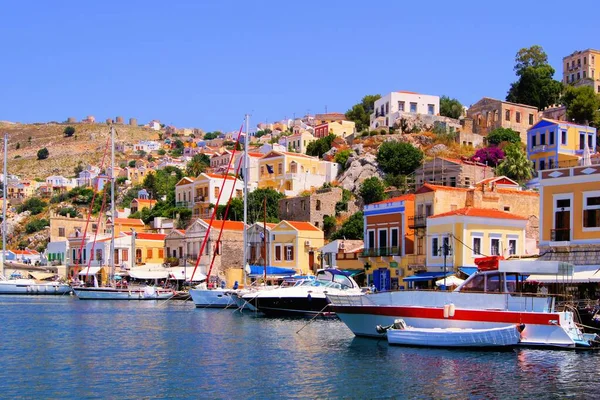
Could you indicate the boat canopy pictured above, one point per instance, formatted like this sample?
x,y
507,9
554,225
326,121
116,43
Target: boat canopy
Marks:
x,y
89,271
182,273
259,270
526,267
149,274
427,276
40,276
577,277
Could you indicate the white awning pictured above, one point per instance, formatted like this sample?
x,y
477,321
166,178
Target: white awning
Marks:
x,y
181,273
89,271
149,274
577,277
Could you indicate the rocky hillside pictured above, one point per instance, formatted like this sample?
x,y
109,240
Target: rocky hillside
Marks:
x,y
86,145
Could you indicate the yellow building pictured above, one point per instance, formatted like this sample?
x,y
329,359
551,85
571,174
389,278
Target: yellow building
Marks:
x,y
552,144
290,173
139,204
340,128
126,224
149,249
582,68
570,215
137,174
456,238
293,245
298,142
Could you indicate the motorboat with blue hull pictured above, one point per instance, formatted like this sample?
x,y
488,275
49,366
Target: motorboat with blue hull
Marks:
x,y
308,298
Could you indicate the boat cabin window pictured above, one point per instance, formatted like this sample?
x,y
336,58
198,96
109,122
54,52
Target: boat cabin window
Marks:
x,y
475,284
494,283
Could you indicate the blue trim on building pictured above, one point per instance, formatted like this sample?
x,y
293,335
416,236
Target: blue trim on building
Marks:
x,y
384,211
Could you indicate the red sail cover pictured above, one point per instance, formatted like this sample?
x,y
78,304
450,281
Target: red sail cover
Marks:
x,y
488,263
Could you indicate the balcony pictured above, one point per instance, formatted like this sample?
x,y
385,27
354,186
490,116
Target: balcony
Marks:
x,y
182,204
417,221
381,252
539,148
199,199
560,235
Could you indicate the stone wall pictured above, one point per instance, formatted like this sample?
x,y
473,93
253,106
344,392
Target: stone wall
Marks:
x,y
313,208
576,254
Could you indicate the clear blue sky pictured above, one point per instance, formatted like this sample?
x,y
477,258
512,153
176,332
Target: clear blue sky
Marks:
x,y
205,64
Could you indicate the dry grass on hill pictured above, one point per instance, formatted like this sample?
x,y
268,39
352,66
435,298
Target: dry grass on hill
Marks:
x,y
86,145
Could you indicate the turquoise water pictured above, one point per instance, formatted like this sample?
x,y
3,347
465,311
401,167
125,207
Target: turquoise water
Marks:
x,y
67,348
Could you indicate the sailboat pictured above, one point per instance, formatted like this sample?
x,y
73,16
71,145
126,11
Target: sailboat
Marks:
x,y
112,292
22,285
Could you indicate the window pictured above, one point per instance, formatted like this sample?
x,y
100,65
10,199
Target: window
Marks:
x,y
61,232
506,209
507,115
453,181
467,181
476,246
289,253
280,168
563,137
216,192
578,75
512,247
435,248
542,164
125,255
550,163
591,210
394,238
551,138
413,107
581,141
530,119
542,138
387,108
518,117
318,205
303,205
591,142
278,252
428,210
400,106
430,109
383,242
98,254
533,141
149,253
495,247
371,243
447,248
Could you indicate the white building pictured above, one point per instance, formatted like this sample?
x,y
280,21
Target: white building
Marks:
x,y
393,105
147,146
154,125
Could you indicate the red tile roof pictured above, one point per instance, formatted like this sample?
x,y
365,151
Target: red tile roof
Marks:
x,y
258,155
148,236
480,212
302,226
398,198
145,201
129,221
229,225
218,176
434,188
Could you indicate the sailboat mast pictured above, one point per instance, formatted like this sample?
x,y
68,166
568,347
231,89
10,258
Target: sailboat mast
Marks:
x,y
245,161
266,234
4,184
112,203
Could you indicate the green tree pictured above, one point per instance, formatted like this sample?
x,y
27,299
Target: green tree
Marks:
x,y
36,225
329,224
583,105
351,229
236,210
341,157
451,108
197,165
361,113
131,164
515,165
34,205
536,85
78,168
69,131
399,158
211,135
81,195
320,146
372,190
161,152
256,205
42,154
499,135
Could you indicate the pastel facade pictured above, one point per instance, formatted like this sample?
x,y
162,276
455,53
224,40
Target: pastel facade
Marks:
x,y
457,238
552,144
341,128
297,142
570,215
259,237
388,242
200,193
343,254
488,114
63,227
294,245
393,105
582,68
139,204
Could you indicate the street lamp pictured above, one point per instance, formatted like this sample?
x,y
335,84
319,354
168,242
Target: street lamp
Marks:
x,y
445,249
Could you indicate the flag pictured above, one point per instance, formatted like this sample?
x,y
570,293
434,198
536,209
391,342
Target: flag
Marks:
x,y
269,168
262,236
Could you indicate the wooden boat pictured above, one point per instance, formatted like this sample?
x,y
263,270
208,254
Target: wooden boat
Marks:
x,y
401,334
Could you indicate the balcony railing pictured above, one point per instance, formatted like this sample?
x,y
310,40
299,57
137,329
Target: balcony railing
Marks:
x,y
539,147
381,252
560,235
417,221
198,199
182,204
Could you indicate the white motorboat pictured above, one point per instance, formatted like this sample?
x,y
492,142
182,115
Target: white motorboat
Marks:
x,y
490,298
211,298
401,334
133,293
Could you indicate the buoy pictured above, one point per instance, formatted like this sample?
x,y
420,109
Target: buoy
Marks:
x,y
451,310
446,310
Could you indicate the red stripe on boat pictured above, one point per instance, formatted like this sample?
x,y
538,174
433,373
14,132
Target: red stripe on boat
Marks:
x,y
460,314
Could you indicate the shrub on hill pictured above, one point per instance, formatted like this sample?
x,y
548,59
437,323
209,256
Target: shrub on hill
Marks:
x,y
399,158
36,225
42,154
34,205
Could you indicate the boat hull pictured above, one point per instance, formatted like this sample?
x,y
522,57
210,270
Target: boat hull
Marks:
x,y
481,338
289,306
212,298
31,288
85,293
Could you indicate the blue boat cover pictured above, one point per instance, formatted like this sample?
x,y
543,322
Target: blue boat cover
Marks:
x,y
427,276
259,270
468,270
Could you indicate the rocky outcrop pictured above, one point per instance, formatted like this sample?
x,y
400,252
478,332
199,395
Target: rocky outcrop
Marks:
x,y
359,168
437,149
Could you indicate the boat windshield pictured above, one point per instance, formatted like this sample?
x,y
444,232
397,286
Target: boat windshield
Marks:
x,y
335,276
492,282
322,283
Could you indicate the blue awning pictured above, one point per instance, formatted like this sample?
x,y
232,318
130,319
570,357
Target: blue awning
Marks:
x,y
468,270
259,270
427,276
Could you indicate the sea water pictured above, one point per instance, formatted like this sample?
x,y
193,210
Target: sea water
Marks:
x,y
62,347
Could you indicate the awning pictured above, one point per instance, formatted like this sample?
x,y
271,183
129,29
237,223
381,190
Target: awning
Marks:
x,y
577,277
451,280
146,274
181,273
468,270
89,271
40,276
259,270
428,276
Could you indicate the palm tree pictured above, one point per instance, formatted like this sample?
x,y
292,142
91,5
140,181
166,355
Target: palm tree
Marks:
x,y
515,165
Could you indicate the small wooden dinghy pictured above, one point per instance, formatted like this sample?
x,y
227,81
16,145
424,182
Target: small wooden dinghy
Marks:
x,y
400,334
